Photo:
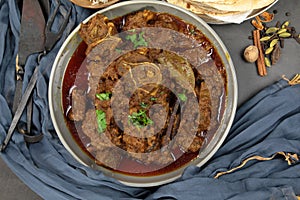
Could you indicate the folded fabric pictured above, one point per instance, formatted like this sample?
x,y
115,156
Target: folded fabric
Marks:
x,y
258,160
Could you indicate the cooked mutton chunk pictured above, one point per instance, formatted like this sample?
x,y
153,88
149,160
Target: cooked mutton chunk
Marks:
x,y
95,30
78,107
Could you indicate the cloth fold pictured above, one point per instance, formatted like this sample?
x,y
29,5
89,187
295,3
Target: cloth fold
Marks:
x,y
265,125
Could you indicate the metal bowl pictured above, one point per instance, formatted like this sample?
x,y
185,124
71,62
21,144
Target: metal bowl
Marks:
x,y
66,52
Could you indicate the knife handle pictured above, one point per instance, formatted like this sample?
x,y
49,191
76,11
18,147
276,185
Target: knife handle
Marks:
x,y
19,70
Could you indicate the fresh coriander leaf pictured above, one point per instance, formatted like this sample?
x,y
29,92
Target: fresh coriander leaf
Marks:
x,y
143,105
101,120
137,39
104,96
182,97
139,119
153,98
131,38
192,31
141,41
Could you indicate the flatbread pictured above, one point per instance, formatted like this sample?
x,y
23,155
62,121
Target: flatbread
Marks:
x,y
227,2
199,9
240,5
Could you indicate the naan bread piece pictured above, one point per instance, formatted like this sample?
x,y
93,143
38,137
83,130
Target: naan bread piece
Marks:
x,y
226,2
240,5
198,8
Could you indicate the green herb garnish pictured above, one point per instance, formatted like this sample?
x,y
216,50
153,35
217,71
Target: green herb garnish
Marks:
x,y
101,120
137,39
192,31
143,105
182,97
104,96
153,98
139,119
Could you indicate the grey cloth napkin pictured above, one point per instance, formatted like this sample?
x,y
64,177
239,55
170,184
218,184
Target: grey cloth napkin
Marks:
x,y
266,131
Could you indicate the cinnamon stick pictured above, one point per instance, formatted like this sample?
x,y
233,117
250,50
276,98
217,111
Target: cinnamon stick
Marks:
x,y
261,66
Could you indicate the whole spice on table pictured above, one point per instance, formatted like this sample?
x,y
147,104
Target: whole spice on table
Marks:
x,y
261,67
275,54
270,40
251,53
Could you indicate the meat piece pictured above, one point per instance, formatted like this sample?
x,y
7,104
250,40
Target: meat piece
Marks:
x,y
93,83
136,57
160,157
166,21
196,144
134,144
78,105
89,125
95,29
138,20
110,157
205,107
196,56
167,39
214,84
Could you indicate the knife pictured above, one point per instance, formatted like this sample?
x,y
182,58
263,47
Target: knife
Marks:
x,y
32,39
45,5
50,40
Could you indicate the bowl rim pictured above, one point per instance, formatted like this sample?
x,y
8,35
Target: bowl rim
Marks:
x,y
138,181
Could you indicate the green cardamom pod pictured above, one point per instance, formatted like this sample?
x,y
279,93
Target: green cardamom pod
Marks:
x,y
269,50
273,42
267,62
285,24
284,35
283,30
266,38
272,30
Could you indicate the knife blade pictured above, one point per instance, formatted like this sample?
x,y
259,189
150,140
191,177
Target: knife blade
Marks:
x,y
32,39
45,5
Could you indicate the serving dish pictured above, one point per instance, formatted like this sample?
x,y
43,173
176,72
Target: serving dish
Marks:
x,y
70,46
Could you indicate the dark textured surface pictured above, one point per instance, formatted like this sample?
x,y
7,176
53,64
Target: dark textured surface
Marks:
x,y
236,39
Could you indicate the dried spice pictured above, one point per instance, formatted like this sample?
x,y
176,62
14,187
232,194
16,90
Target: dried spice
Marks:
x,y
275,54
266,38
285,35
271,30
273,42
268,62
261,66
251,53
257,24
269,50
297,38
270,39
285,24
266,17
